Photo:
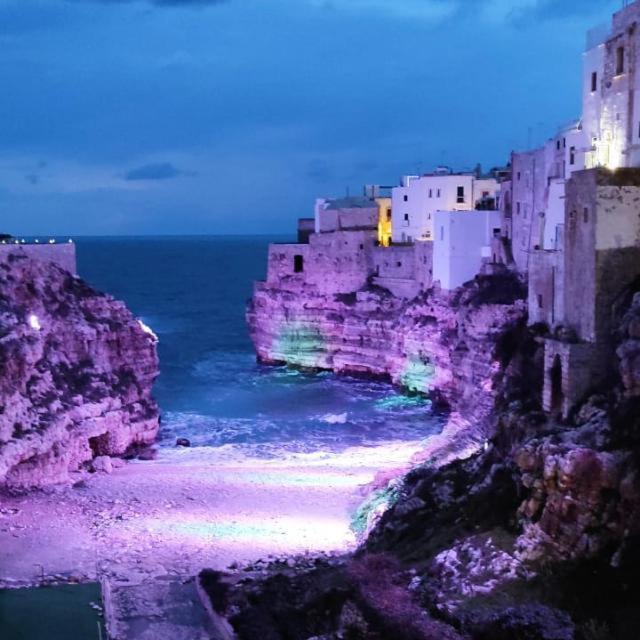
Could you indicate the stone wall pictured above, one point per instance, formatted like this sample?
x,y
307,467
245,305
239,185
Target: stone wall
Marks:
x,y
579,249
62,254
348,219
546,287
528,192
282,268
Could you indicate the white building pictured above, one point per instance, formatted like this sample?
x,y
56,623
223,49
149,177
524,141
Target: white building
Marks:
x,y
462,241
418,198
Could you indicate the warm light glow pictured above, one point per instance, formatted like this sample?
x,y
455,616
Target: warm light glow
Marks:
x,y
384,221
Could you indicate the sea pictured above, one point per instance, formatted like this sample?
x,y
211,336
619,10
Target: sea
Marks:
x,y
193,292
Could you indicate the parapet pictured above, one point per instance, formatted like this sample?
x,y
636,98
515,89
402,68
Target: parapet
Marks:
x,y
63,253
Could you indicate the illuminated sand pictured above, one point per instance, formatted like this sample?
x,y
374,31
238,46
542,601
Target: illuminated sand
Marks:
x,y
192,508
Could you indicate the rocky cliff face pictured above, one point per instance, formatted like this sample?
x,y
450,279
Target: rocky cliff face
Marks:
x,y
76,371
455,348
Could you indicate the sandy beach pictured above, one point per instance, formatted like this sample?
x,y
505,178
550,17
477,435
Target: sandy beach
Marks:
x,y
190,509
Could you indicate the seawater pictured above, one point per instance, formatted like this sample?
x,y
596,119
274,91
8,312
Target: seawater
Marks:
x,y
192,291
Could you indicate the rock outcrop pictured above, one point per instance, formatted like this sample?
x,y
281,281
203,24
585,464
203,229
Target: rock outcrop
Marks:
x,y
76,372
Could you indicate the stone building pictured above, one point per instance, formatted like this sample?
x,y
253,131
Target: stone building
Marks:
x,y
611,107
594,273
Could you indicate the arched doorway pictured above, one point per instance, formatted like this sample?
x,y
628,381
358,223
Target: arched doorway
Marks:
x,y
557,395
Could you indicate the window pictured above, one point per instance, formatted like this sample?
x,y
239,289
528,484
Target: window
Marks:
x,y
406,217
518,208
585,214
619,60
431,193
519,176
441,234
558,145
572,155
594,82
298,264
406,198
564,143
438,193
361,247
389,215
460,197
539,301
398,264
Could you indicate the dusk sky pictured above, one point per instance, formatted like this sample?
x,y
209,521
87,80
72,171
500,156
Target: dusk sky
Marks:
x,y
232,116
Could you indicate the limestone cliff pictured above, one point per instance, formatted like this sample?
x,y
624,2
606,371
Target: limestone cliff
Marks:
x,y
455,348
76,371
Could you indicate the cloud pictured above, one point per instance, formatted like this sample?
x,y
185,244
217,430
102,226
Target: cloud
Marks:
x,y
162,3
155,171
559,9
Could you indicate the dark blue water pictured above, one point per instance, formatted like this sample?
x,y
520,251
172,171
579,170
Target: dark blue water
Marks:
x,y
192,292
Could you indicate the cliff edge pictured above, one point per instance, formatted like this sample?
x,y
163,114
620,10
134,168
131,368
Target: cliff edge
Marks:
x,y
76,372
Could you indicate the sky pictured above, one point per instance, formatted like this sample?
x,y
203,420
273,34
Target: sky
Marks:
x,y
232,116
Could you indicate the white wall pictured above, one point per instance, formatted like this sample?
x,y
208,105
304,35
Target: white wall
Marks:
x,y
414,205
462,239
554,214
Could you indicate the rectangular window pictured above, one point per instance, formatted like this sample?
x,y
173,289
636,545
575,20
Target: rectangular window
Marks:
x,y
298,264
406,198
441,233
389,215
572,155
438,193
460,197
619,60
594,82
518,208
558,145
539,301
406,217
519,176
